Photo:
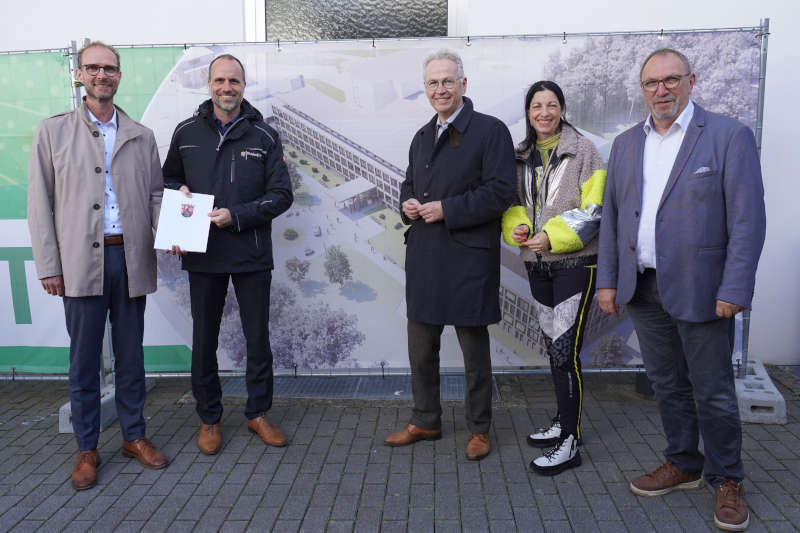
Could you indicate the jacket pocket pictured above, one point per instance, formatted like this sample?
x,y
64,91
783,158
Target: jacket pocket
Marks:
x,y
706,174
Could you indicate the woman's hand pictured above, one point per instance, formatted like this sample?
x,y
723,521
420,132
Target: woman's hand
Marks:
x,y
540,242
520,233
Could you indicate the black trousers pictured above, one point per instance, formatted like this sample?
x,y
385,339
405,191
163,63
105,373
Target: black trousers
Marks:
x,y
424,342
207,292
86,323
689,364
562,298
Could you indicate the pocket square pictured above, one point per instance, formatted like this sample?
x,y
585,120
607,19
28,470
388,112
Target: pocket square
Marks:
x,y
701,170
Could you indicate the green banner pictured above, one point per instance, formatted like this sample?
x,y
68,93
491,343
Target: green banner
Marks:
x,y
32,87
143,70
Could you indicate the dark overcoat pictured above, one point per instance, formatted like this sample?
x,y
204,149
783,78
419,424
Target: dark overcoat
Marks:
x,y
453,266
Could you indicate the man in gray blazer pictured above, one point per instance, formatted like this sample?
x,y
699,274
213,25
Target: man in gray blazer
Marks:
x,y
681,234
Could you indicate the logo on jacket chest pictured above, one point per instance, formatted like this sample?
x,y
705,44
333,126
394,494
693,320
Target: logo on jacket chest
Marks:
x,y
248,154
187,210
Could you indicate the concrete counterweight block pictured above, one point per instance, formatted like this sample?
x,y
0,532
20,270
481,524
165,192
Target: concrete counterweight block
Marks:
x,y
108,411
108,408
759,399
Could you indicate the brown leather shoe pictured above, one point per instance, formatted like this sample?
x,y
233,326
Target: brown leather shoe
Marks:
x,y
269,432
146,452
84,475
730,509
209,440
411,434
478,446
665,479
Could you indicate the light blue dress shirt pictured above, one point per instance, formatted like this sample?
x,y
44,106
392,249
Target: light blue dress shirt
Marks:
x,y
112,225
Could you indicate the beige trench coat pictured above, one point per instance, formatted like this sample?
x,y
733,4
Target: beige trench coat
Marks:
x,y
66,182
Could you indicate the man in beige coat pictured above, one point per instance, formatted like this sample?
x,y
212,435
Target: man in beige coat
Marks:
x,y
94,194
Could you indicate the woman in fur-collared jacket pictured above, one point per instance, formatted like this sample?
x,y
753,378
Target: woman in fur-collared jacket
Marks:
x,y
560,183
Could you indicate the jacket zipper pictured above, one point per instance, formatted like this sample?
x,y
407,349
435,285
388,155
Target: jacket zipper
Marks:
x,y
222,136
255,233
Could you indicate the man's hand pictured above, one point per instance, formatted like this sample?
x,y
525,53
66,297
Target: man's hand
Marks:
x,y
176,250
521,233
727,310
606,297
411,208
54,285
431,212
540,243
221,217
185,190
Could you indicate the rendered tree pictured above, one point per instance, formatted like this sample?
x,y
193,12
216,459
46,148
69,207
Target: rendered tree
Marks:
x,y
313,336
600,79
337,265
294,175
297,269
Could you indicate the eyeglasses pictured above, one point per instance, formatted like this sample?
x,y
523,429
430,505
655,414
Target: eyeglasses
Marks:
x,y
447,83
94,70
670,82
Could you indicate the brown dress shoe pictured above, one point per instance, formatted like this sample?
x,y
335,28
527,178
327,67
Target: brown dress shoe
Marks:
x,y
209,440
269,432
411,434
730,509
84,475
478,446
665,479
146,452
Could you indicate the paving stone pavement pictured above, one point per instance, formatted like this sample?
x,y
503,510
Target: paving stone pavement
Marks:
x,y
336,475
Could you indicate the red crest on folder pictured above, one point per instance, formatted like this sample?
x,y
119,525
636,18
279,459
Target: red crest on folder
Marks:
x,y
187,210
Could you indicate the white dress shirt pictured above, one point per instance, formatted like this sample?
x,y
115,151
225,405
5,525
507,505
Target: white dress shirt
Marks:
x,y
112,225
660,152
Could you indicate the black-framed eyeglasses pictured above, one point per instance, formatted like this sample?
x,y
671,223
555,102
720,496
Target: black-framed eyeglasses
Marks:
x,y
447,83
94,70
670,82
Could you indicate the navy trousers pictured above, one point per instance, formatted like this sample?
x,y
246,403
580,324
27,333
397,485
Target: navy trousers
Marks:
x,y
689,364
86,320
207,292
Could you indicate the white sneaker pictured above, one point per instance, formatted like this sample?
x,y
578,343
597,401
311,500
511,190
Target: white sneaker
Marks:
x,y
564,455
544,437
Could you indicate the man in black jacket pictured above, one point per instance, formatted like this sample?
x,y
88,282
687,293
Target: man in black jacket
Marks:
x,y
227,150
460,179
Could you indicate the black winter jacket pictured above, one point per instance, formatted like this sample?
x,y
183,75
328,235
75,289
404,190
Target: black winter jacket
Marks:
x,y
245,171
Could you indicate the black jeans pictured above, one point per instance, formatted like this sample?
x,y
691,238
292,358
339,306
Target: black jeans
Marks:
x,y
689,364
424,341
207,292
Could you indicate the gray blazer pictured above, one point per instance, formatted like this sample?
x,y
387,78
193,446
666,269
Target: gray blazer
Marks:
x,y
710,222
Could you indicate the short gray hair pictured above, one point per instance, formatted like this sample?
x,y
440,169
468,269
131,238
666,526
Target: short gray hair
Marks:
x,y
444,53
666,52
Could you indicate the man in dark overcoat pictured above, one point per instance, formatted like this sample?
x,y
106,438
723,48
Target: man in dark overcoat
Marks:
x,y
460,179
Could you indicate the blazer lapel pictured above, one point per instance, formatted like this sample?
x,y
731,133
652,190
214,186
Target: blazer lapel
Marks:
x,y
687,147
639,166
